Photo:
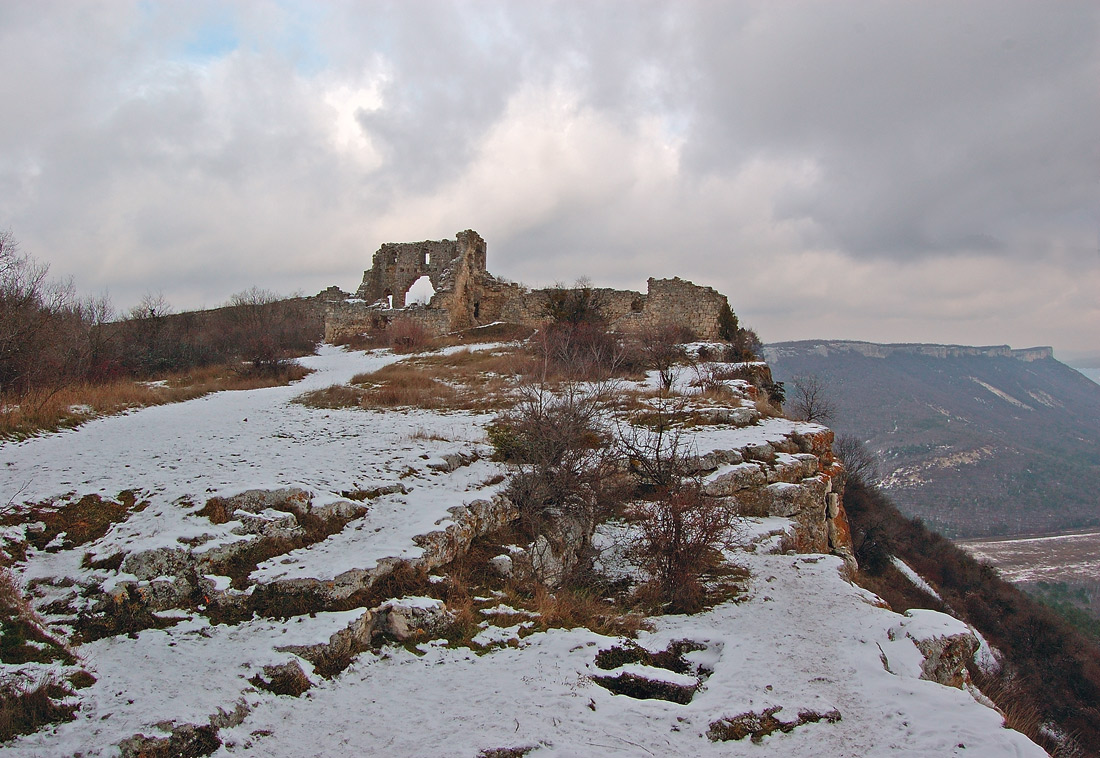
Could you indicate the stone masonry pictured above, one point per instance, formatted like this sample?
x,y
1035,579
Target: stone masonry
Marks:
x,y
467,295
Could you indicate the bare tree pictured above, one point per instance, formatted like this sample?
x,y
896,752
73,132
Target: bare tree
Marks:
x,y
267,329
809,399
661,348
37,323
859,462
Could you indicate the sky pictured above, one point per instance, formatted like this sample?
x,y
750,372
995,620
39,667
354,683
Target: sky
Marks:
x,y
885,171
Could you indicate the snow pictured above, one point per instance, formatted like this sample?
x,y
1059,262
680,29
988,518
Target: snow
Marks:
x,y
415,602
802,637
178,456
988,657
652,673
1003,395
812,642
496,635
507,610
914,577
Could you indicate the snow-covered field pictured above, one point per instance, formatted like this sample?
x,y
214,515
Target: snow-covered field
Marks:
x,y
802,638
1073,557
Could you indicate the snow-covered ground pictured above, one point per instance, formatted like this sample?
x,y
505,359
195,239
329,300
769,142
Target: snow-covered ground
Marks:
x,y
178,456
802,638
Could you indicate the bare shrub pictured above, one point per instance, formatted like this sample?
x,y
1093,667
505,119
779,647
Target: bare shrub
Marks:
x,y
559,443
407,336
682,534
660,349
744,345
576,343
653,444
859,462
810,399
266,329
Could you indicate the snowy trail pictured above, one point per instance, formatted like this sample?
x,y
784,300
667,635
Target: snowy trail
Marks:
x,y
219,444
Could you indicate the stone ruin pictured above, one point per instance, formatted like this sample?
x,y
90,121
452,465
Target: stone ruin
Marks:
x,y
468,296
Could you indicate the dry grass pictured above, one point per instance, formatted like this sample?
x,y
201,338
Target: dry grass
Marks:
x,y
23,637
567,608
332,397
73,405
81,521
766,409
480,380
25,709
402,385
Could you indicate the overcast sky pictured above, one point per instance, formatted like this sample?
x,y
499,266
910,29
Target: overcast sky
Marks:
x,y
888,171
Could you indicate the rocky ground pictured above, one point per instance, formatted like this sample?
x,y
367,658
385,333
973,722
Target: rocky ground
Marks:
x,y
244,574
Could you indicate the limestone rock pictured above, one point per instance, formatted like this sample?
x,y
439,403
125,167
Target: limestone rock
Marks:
x,y
736,478
412,616
946,644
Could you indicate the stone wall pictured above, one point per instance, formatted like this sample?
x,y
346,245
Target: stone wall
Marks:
x,y
467,295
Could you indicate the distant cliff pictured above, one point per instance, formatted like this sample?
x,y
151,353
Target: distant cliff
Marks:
x,y
975,440
824,348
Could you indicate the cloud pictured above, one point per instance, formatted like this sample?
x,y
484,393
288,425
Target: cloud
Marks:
x,y
848,169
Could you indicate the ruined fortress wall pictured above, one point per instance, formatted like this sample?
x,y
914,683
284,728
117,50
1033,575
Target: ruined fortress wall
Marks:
x,y
676,302
467,295
396,266
346,320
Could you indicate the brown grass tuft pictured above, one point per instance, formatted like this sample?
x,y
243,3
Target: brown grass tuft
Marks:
x,y
332,397
82,521
571,608
26,709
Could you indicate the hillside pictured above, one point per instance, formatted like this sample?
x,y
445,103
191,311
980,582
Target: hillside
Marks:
x,y
318,570
975,441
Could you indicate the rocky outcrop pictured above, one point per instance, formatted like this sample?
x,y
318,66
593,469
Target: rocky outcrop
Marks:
x,y
796,478
876,350
945,644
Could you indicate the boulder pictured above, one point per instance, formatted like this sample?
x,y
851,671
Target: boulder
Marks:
x,y
412,616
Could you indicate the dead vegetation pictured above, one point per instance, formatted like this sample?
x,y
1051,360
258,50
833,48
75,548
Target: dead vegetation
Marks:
x,y
757,726
285,679
185,741
469,380
23,636
27,705
69,406
24,709
54,525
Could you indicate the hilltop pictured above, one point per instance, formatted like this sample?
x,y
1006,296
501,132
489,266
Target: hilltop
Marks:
x,y
307,569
